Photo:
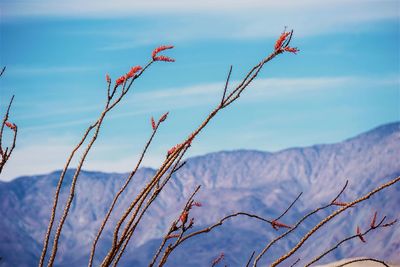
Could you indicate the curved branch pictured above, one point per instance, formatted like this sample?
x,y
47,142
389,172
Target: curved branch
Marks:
x,y
371,228
272,242
330,217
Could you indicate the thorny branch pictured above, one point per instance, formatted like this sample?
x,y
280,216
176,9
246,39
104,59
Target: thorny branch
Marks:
x,y
129,178
174,227
97,125
130,228
172,155
272,242
274,223
330,217
5,153
359,235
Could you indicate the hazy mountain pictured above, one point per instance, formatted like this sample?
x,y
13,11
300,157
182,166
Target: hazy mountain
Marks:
x,y
253,181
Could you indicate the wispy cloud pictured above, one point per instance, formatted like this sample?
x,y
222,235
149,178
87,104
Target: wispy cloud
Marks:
x,y
120,7
191,20
208,94
47,70
39,154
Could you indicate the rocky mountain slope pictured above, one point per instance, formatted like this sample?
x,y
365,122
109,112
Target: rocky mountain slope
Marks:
x,y
253,181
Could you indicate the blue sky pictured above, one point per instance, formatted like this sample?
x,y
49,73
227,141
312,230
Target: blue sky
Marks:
x,y
344,81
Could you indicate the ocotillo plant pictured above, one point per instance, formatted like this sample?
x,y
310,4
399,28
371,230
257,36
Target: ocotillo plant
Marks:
x,y
181,228
5,152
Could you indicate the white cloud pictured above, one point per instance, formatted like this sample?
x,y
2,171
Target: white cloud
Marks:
x,y
116,8
42,155
192,20
208,94
36,70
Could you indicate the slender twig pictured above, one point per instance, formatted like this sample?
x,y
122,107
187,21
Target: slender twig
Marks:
x,y
5,118
183,238
288,208
251,257
173,227
6,153
170,159
226,85
330,217
130,227
109,105
272,242
294,263
139,199
341,191
57,193
2,71
129,178
371,228
221,221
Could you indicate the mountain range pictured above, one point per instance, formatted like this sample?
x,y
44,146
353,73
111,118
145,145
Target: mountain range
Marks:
x,y
257,182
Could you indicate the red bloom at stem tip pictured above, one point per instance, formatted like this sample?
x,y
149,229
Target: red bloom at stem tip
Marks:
x,y
120,80
173,149
293,50
153,124
133,71
276,225
184,216
197,204
282,44
360,235
281,40
374,220
10,125
156,57
108,79
163,117
159,49
163,58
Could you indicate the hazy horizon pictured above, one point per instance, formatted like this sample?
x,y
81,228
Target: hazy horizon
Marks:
x,y
344,81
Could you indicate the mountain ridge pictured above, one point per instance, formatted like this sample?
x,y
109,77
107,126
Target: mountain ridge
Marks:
x,y
243,180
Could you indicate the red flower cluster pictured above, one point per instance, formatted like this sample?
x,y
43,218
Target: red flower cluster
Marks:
x,y
164,58
281,40
155,52
130,74
280,45
173,149
153,124
184,216
160,120
163,117
11,125
197,204
373,221
120,80
133,71
108,79
276,225
293,50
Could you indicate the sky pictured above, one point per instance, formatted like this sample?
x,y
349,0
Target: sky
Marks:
x,y
344,81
